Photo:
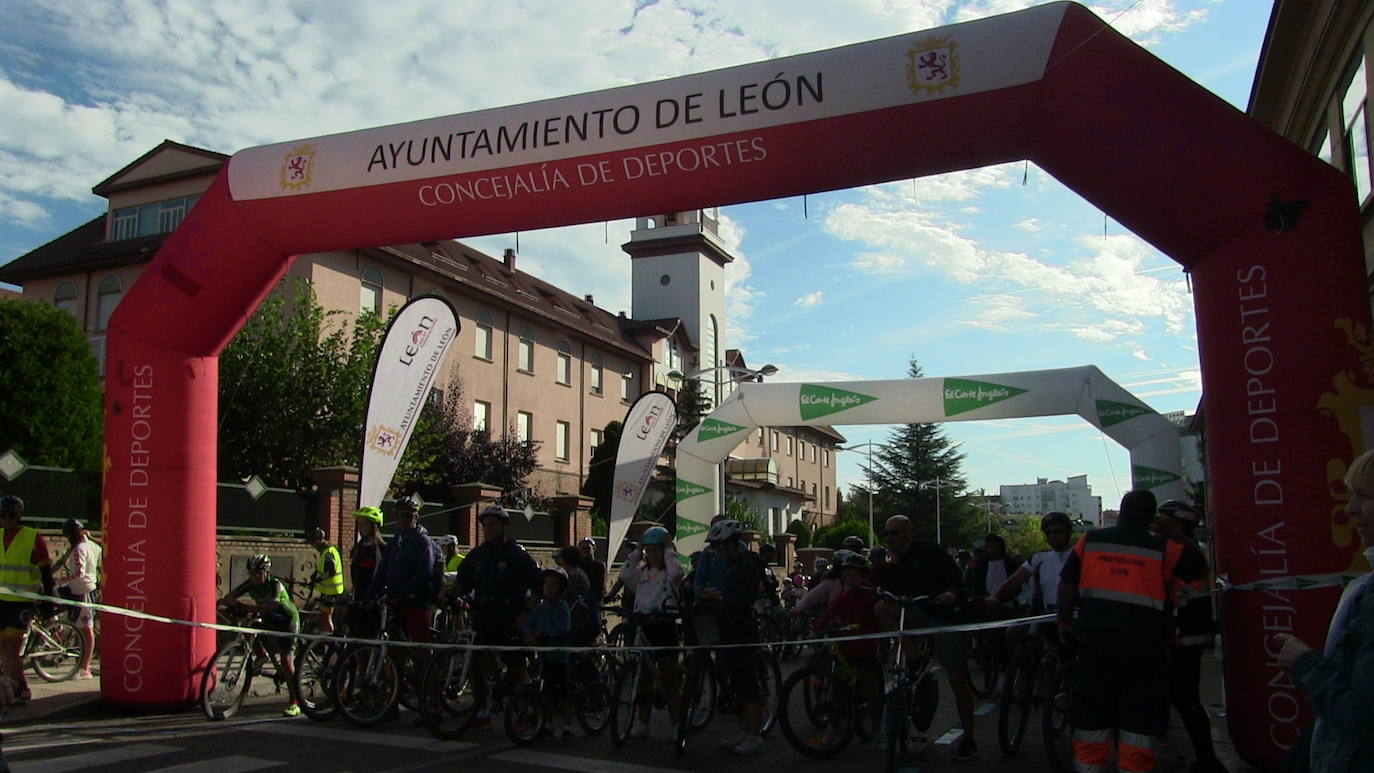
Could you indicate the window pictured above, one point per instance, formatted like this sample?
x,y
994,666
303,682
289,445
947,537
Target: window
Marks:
x,y
789,481
625,387
525,354
775,515
813,489
563,373
826,502
775,440
65,299
524,422
481,416
596,374
106,300
825,456
482,348
561,431
370,300
598,437
1356,133
149,219
763,436
789,445
801,450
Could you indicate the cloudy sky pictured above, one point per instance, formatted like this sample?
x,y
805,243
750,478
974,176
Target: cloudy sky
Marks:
x,y
989,270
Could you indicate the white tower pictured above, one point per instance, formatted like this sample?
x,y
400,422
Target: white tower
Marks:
x,y
678,270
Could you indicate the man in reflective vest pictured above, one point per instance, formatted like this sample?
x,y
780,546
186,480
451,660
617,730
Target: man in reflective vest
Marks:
x,y
24,566
1121,580
328,579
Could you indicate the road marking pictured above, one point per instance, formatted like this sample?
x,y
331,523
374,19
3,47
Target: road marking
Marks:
x,y
566,762
985,709
951,735
234,764
92,759
313,730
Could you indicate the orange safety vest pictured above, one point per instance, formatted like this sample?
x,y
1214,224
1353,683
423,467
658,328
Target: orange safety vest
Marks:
x,y
1128,574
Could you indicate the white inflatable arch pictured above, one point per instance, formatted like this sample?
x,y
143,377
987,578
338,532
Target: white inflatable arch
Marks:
x,y
1152,440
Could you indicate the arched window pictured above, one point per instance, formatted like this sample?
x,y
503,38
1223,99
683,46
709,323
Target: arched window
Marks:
x,y
65,299
563,374
525,350
482,348
371,294
595,378
107,298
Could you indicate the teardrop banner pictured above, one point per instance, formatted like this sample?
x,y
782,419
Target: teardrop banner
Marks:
x,y
647,426
411,356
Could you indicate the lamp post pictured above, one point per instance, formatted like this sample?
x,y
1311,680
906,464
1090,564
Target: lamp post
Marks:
x,y
736,374
938,486
868,476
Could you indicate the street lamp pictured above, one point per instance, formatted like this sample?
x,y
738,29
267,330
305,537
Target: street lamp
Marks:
x,y
938,485
868,474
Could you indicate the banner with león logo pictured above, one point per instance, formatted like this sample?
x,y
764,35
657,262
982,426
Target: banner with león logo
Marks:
x,y
409,359
647,426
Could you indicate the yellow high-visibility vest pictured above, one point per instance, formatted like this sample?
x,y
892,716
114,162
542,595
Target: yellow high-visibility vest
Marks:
x,y
16,565
334,585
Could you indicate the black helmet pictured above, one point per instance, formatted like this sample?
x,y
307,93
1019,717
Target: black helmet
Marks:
x,y
1051,519
853,542
11,504
1177,508
315,534
855,561
406,506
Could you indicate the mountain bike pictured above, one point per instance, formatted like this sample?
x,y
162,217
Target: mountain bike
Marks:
x,y
824,704
706,688
1056,718
54,647
636,665
909,684
316,663
457,684
235,664
371,680
1023,689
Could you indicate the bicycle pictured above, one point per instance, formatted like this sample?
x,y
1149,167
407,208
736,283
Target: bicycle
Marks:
x,y
989,656
635,665
705,687
231,671
824,704
1023,688
316,663
907,685
524,714
457,684
54,647
371,680
1056,719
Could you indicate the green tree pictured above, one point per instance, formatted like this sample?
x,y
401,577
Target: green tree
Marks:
x,y
918,465
800,530
51,409
833,535
748,517
692,405
600,482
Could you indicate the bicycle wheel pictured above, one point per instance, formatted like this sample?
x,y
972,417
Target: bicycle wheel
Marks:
x,y
770,633
452,690
525,715
895,726
769,677
226,679
618,636
411,663
983,680
315,666
57,650
702,705
593,707
1056,717
623,699
1018,701
367,684
817,712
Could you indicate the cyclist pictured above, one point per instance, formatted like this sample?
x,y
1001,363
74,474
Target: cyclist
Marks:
x,y
500,575
406,576
596,575
272,601
923,568
24,565
1043,567
824,589
452,558
854,543
327,580
548,625
854,606
983,576
364,559
742,575
654,573
769,603
80,576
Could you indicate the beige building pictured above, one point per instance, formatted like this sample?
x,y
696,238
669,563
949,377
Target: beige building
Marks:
x,y
533,359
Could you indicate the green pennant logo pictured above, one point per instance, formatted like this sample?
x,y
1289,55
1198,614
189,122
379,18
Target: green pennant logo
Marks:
x,y
686,527
715,428
1109,412
962,395
1149,477
687,490
818,401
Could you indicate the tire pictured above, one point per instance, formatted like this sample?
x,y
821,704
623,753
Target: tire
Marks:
x,y
1018,701
367,685
895,726
983,682
817,712
412,664
65,658
226,679
1056,719
525,715
315,666
770,684
624,695
616,639
770,633
594,708
702,706
449,697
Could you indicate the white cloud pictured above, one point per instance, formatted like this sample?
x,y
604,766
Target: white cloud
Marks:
x,y
874,263
815,375
810,300
741,298
1030,224
999,313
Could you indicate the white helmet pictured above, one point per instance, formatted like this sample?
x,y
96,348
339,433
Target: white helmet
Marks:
x,y
448,541
724,531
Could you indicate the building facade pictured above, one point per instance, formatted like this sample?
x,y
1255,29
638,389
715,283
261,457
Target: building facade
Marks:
x,y
1073,496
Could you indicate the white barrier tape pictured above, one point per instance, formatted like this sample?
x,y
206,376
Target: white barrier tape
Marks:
x,y
957,628
1293,582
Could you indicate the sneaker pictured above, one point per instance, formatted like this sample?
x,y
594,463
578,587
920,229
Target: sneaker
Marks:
x,y
84,675
751,745
966,749
639,731
22,697
730,742
567,738
291,711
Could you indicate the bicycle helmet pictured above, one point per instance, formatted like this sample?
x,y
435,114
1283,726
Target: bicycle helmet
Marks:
x,y
655,535
853,542
1056,519
724,531
11,504
72,526
369,513
588,541
260,563
494,511
1177,508
877,555
556,571
855,561
448,541
405,506
316,534
839,557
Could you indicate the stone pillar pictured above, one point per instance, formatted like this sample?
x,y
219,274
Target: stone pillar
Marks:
x,y
572,519
752,539
808,558
336,498
470,499
787,546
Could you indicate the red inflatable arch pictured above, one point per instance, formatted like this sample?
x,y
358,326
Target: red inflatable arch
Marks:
x,y
1269,233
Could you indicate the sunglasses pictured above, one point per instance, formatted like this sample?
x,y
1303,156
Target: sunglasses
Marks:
x,y
1057,530
892,533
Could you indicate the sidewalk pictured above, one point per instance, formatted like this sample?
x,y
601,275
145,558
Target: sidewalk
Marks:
x,y
52,700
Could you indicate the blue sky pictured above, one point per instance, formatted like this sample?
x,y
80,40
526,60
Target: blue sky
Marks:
x,y
990,270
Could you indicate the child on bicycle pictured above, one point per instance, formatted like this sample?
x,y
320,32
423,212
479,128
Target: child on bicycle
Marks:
x,y
548,624
654,574
854,607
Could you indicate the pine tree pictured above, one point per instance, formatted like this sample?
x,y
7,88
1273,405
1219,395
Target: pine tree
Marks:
x,y
692,405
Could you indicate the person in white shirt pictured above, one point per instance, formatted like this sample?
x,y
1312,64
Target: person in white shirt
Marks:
x,y
653,573
1043,567
79,577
